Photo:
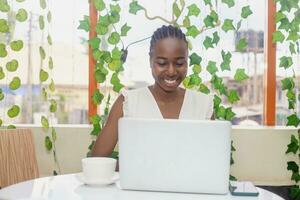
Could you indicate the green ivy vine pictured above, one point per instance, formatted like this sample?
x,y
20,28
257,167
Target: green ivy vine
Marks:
x,y
8,45
111,61
47,83
287,33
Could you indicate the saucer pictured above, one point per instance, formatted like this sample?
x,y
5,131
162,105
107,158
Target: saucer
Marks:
x,y
81,178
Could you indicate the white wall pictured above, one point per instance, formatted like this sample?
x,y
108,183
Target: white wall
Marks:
x,y
260,155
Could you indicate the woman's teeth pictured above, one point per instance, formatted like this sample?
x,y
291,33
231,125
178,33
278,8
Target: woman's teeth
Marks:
x,y
170,81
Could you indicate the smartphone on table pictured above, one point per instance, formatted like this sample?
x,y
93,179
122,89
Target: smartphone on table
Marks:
x,y
243,188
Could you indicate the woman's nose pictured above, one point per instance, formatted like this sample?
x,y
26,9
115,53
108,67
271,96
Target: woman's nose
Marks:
x,y
171,69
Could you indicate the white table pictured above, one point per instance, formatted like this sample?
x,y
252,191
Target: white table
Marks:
x,y
69,187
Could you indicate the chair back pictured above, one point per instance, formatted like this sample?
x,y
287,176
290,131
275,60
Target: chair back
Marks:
x,y
17,156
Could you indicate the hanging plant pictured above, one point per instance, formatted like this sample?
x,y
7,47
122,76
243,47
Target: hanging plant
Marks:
x,y
48,86
287,34
109,61
7,45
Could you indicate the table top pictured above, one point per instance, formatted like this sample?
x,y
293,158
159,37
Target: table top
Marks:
x,y
69,186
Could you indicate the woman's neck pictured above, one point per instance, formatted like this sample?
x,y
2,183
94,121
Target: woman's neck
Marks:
x,y
163,95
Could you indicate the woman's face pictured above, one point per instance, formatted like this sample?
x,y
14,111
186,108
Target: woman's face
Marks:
x,y
169,63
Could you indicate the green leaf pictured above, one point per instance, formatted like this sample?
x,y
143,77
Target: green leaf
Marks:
x,y
125,29
42,53
49,17
99,5
53,106
16,45
277,36
238,26
53,134
134,7
114,38
95,42
97,97
209,21
186,22
195,59
218,84
115,8
43,75
212,67
242,44
196,69
101,29
227,25
287,83
85,24
20,1
295,177
114,17
2,75
43,4
11,126
207,2
284,24
95,119
13,111
52,86
292,48
22,15
293,120
229,3
240,75
44,122
115,81
176,10
203,88
3,52
192,31
285,62
44,94
1,122
279,16
225,65
293,36
216,38
229,114
193,10
99,76
48,143
293,146
115,65
116,54
221,112
41,22
50,63
246,11
233,96
96,130
4,7
217,101
293,166
294,192
208,42
1,95
4,28
12,65
49,39
15,83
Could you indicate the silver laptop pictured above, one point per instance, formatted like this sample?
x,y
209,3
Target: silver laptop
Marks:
x,y
174,155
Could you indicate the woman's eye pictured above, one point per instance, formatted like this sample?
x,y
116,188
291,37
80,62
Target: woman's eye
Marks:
x,y
162,63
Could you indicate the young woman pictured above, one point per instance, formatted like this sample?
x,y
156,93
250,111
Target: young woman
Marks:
x,y
164,99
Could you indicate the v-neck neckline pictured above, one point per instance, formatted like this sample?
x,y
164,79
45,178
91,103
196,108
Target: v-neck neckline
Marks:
x,y
157,106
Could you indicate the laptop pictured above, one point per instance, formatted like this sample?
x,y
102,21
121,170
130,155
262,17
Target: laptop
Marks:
x,y
172,155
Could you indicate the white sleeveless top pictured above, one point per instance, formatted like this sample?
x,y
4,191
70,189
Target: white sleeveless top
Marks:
x,y
140,103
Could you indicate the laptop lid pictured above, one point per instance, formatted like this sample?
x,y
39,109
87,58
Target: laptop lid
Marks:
x,y
174,155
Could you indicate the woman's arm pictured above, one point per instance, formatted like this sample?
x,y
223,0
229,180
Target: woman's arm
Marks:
x,y
108,137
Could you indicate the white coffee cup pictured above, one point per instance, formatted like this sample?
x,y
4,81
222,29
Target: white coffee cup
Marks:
x,y
98,169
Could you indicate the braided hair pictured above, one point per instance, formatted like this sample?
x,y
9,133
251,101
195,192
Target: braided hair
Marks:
x,y
165,32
